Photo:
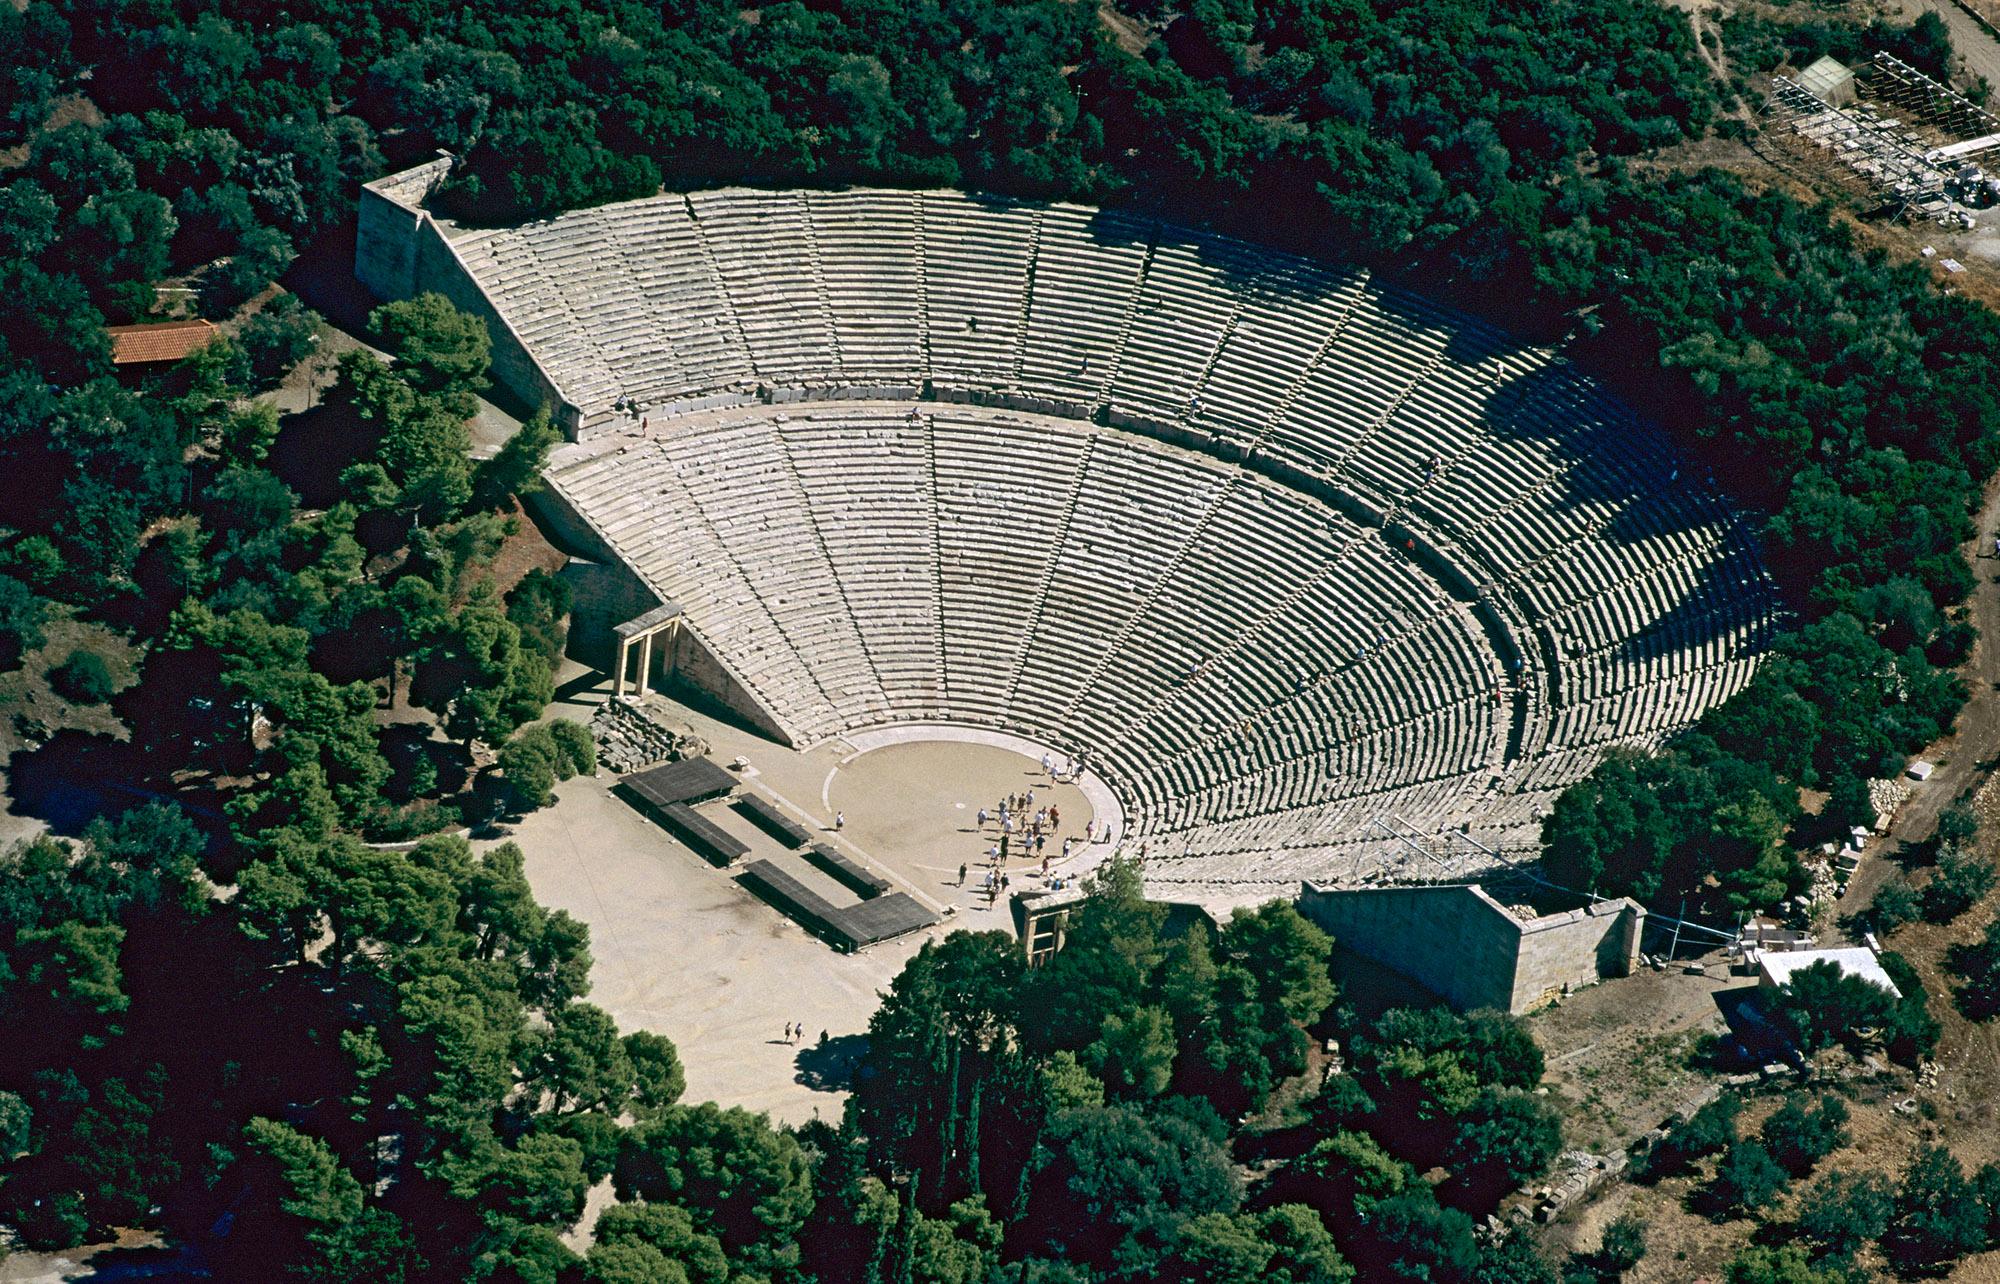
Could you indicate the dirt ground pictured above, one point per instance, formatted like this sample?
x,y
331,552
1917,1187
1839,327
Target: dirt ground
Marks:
x,y
1620,1054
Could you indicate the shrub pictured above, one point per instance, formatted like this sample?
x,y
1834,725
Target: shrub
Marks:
x,y
1748,1179
1979,965
1622,1245
1761,1264
1711,1128
1938,1217
1961,879
83,678
1895,904
1844,1211
1798,1137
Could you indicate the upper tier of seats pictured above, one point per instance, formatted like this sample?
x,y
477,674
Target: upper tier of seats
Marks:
x,y
1282,549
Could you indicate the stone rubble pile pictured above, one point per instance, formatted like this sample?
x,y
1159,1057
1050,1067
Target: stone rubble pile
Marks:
x,y
1887,795
629,739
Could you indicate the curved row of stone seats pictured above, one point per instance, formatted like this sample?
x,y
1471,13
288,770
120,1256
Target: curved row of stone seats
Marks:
x,y
844,548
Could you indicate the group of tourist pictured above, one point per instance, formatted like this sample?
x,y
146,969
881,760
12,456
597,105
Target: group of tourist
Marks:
x,y
1027,830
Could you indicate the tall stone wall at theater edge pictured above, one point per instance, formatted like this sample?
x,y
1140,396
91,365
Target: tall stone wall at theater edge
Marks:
x,y
387,218
1575,948
1454,941
400,251
1464,946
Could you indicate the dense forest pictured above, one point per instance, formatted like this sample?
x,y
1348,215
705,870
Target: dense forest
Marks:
x,y
288,1048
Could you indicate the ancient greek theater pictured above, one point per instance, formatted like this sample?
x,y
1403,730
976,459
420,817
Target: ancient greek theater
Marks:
x,y
1319,580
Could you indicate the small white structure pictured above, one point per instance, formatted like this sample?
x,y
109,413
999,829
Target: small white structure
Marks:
x,y
1774,968
1920,770
1830,81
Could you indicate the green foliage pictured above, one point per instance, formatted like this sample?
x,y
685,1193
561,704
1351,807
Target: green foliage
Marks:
x,y
276,338
1938,1218
538,606
1978,963
1798,1135
22,615
1622,1246
516,468
1822,1005
1787,1264
390,994
1912,1032
1285,1245
539,756
438,350
1747,1179
82,678
1507,1137
1960,881
1843,1211
1119,1182
1710,1129
1655,827
1895,904
744,1183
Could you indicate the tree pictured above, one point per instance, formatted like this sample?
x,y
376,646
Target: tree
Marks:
x,y
1895,904
278,337
1506,1138
671,1233
1287,953
1285,1245
658,1080
516,468
16,1118
82,678
438,350
744,1182
1748,1178
22,615
578,1062
575,750
538,605
1821,1005
1843,1211
1133,1056
1938,1218
528,765
1798,1137
1119,1182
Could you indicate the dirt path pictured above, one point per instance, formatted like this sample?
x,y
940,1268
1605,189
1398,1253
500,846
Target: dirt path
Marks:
x,y
1965,756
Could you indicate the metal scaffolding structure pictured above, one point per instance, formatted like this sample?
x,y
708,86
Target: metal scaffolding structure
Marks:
x,y
1876,148
1896,83
1915,142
